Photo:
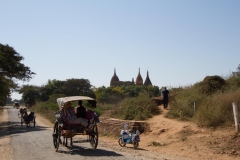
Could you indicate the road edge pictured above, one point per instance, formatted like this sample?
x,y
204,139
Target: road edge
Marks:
x,y
5,136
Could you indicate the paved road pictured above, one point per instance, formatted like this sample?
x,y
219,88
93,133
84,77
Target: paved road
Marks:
x,y
31,143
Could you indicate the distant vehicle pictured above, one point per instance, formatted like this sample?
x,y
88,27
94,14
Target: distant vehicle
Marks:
x,y
16,105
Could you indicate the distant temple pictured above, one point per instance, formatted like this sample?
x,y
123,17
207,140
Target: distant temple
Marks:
x,y
139,81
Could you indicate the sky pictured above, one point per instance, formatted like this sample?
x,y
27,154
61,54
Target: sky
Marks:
x,y
179,42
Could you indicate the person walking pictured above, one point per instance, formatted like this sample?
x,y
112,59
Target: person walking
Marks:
x,y
165,93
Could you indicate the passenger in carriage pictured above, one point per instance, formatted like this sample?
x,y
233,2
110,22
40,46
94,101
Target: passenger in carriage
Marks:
x,y
68,113
80,110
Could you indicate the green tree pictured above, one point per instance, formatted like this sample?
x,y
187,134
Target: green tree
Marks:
x,y
153,90
30,94
109,95
133,91
77,87
11,69
5,85
9,101
117,94
52,87
102,95
118,91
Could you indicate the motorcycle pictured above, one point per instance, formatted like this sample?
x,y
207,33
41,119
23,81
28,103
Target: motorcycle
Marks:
x,y
129,138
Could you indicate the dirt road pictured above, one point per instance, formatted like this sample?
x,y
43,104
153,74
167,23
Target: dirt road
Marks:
x,y
19,143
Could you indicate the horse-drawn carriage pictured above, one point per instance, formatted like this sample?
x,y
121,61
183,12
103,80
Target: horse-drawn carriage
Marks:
x,y
26,118
16,105
64,131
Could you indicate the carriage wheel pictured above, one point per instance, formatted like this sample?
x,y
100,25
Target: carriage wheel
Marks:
x,y
34,122
71,142
121,143
135,145
93,137
21,121
56,136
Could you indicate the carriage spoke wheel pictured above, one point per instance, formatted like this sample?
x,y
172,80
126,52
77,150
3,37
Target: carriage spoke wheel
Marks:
x,y
121,143
135,145
93,137
71,142
56,136
21,121
34,122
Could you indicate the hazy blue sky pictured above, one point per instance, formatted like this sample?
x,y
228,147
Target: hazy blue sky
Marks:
x,y
178,41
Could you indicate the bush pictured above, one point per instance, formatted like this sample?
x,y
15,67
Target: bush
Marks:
x,y
213,101
101,107
137,108
217,110
233,83
47,109
212,84
182,102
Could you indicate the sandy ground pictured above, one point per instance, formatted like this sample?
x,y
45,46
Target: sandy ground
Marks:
x,y
166,136
5,150
186,139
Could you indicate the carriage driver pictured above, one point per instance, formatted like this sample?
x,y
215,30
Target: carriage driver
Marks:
x,y
80,110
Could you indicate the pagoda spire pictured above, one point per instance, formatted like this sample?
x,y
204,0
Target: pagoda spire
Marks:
x,y
147,80
139,80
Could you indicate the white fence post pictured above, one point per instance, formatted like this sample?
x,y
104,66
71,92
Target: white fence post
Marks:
x,y
235,113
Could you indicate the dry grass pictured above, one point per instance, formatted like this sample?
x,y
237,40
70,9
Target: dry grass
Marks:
x,y
212,109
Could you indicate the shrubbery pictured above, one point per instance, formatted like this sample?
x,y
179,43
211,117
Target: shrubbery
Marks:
x,y
48,108
217,109
137,108
213,96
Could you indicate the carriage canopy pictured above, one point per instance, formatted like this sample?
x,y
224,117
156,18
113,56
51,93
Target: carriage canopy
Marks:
x,y
63,100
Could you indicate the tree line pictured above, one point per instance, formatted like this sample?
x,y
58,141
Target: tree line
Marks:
x,y
12,69
82,87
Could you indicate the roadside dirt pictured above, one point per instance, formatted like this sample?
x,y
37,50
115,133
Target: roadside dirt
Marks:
x,y
186,139
5,150
165,136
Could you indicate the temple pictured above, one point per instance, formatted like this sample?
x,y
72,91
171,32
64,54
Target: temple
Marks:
x,y
139,81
